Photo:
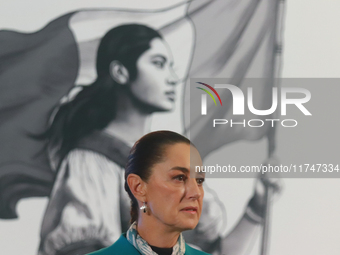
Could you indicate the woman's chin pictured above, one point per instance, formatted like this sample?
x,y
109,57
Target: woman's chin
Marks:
x,y
189,225
166,107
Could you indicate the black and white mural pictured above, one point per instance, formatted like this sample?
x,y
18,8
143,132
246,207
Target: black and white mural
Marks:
x,y
81,82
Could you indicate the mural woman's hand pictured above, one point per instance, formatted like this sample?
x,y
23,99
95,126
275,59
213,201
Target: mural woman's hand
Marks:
x,y
272,181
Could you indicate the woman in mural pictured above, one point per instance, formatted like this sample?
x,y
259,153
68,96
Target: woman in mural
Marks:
x,y
90,138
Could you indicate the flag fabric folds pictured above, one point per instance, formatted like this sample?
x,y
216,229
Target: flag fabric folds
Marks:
x,y
245,43
32,81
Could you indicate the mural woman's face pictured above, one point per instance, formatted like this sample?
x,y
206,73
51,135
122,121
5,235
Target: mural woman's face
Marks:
x,y
156,80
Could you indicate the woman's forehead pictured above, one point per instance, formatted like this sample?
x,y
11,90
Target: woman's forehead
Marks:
x,y
159,47
180,155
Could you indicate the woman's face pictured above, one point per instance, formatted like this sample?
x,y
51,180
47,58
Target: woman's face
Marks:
x,y
173,197
156,80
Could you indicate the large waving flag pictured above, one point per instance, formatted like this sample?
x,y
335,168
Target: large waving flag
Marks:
x,y
209,38
245,43
38,69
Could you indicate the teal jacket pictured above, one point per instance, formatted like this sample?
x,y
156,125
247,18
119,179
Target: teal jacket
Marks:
x,y
123,247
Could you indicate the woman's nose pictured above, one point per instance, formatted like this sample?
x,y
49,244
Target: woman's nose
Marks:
x,y
173,78
193,190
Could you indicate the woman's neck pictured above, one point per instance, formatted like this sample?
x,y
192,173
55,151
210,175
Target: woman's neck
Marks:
x,y
129,129
130,123
157,234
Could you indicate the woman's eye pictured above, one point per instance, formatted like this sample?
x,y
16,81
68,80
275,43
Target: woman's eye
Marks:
x,y
200,181
159,64
180,177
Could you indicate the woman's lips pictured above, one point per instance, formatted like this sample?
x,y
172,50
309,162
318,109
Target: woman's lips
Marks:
x,y
190,209
171,95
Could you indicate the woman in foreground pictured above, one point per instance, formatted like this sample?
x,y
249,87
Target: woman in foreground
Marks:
x,y
165,199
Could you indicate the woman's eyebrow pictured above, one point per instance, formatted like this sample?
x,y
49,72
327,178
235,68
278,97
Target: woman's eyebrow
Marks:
x,y
183,169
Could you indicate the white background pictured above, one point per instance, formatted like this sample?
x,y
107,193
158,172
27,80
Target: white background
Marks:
x,y
306,216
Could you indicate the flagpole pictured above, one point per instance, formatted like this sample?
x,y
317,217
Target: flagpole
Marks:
x,y
266,223
269,190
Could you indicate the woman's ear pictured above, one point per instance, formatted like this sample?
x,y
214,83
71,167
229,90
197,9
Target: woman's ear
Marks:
x,y
119,73
137,187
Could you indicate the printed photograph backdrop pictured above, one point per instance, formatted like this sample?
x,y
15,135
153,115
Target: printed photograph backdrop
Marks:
x,y
220,39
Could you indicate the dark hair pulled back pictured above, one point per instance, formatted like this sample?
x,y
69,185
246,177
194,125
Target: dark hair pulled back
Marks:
x,y
94,107
148,151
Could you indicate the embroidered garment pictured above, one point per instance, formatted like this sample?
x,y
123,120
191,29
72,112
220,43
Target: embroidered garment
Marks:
x,y
144,248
